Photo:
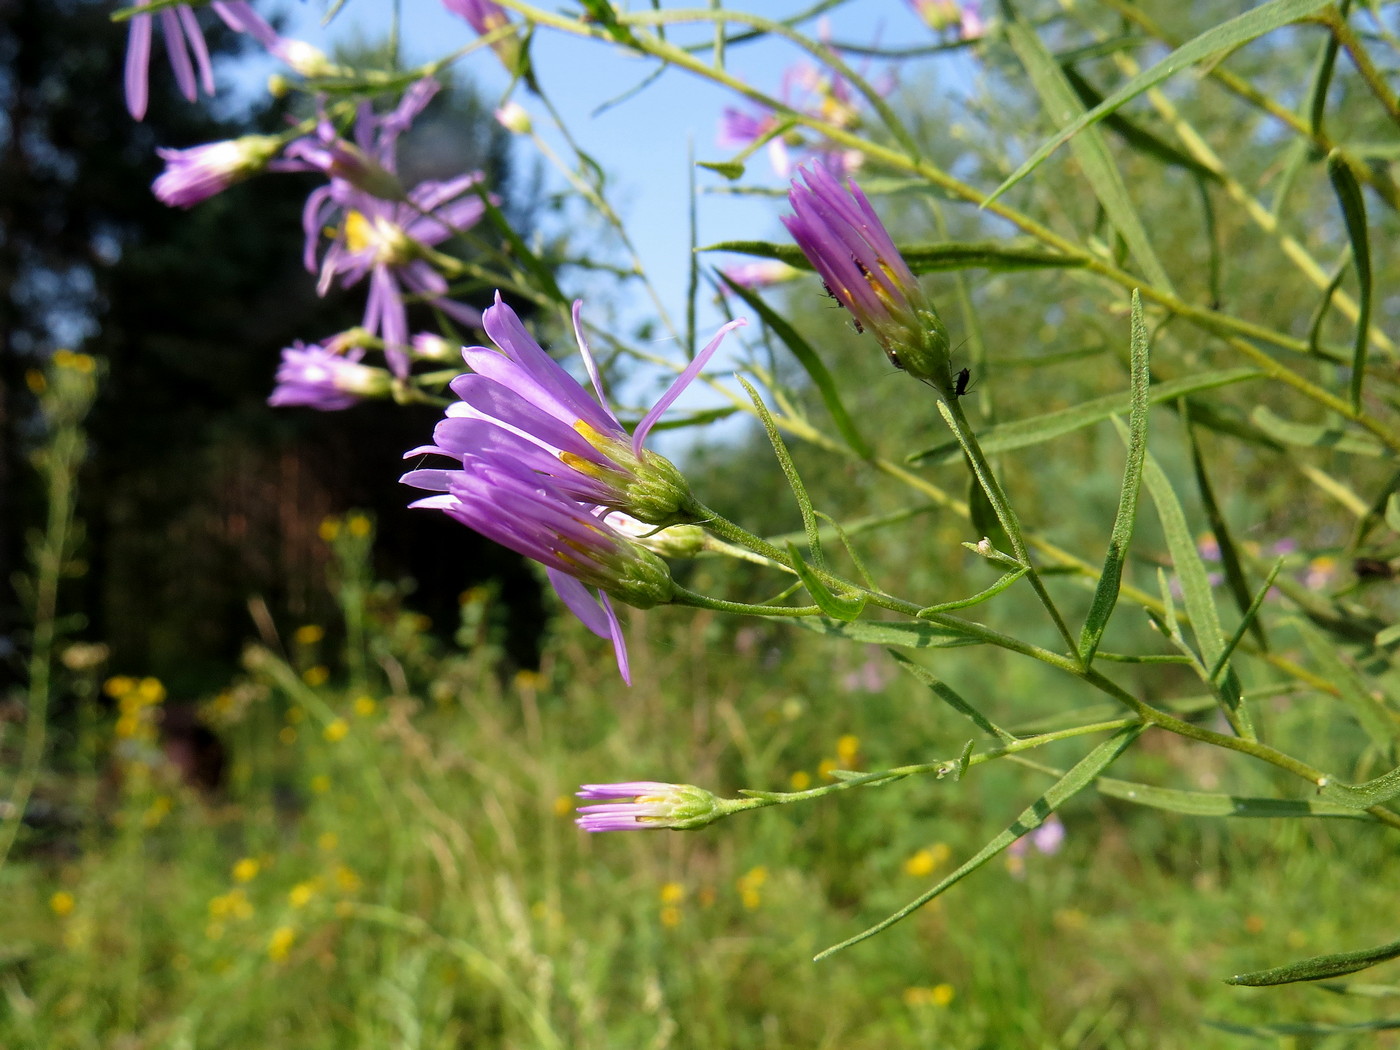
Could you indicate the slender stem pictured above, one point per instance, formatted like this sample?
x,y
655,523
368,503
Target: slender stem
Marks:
x,y
951,409
1374,79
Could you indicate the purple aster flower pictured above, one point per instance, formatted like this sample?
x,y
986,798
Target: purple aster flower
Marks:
x,y
540,463
520,404
649,805
196,174
846,243
316,377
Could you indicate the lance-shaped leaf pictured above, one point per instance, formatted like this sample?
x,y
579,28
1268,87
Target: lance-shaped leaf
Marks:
x,y
936,257
838,607
904,635
1211,44
1111,578
1215,804
1079,777
1024,433
949,696
1059,100
1354,213
1338,435
1318,967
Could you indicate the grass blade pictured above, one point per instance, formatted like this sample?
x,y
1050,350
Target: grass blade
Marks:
x,y
934,257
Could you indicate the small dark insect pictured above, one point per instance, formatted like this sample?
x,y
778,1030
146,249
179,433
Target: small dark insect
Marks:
x,y
860,328
960,382
826,291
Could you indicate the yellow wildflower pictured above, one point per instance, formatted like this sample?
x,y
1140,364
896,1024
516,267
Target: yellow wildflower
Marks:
x,y
335,731
308,634
280,943
246,870
62,903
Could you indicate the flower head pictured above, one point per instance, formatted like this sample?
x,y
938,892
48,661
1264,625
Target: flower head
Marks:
x,y
486,16
648,805
846,243
316,377
540,462
196,174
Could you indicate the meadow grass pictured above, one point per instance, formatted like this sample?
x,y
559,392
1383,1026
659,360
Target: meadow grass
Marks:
x,y
400,868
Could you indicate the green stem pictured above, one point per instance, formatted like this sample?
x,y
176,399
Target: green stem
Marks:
x,y
951,409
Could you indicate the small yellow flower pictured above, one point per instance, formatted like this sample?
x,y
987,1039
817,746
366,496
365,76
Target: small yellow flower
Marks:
x,y
824,770
287,735
320,783
751,898
346,879
301,894
34,379
77,362
335,731
118,685
62,903
672,893
329,530
528,681
315,676
246,870
280,943
308,634
327,841
942,994
563,806
847,749
365,706
670,917
801,780
151,691
358,526
920,864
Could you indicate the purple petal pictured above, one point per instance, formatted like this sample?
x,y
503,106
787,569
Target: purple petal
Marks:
x,y
138,64
682,381
197,45
179,57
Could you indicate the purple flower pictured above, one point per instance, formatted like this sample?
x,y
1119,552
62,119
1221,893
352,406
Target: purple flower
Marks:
x,y
315,377
649,805
381,232
196,174
759,274
520,404
486,16
183,37
540,463
846,243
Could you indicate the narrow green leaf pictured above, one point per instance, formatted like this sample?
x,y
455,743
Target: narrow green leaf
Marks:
x,y
838,607
1392,513
789,468
1303,1028
1354,212
1211,44
1004,582
1061,104
1079,777
730,169
983,515
811,363
1111,578
1196,591
1026,432
936,257
543,273
1381,724
1318,967
1139,138
1339,435
1212,804
1376,792
950,697
904,635
1220,529
1251,614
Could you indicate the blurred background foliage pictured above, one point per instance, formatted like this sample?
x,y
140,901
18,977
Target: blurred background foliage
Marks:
x,y
310,771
